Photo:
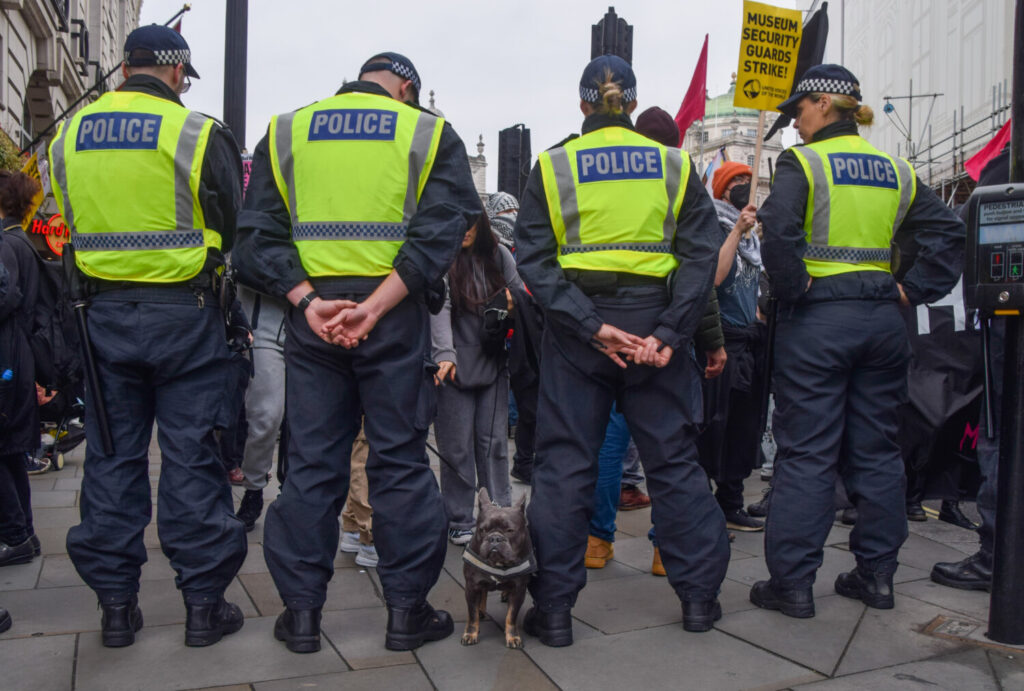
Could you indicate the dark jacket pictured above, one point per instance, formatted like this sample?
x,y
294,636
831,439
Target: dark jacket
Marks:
x,y
566,307
220,182
265,255
19,413
937,233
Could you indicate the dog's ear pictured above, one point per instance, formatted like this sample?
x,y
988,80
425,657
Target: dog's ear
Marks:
x,y
483,499
520,504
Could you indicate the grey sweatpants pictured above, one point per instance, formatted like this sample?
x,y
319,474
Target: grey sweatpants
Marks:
x,y
264,399
471,430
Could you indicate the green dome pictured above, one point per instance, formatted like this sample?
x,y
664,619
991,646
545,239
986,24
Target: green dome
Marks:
x,y
721,106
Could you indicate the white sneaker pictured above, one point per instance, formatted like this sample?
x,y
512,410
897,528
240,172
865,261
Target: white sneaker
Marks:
x,y
367,556
349,542
460,536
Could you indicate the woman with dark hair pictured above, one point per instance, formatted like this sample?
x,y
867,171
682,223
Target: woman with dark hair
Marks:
x,y
19,414
468,343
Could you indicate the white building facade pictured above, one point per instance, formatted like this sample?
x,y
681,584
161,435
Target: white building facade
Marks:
x,y
51,52
961,49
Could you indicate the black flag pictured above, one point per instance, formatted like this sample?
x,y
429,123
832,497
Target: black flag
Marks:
x,y
812,52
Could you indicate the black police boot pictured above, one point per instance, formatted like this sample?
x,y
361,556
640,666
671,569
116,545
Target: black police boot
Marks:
x,y
409,628
554,629
21,553
793,602
37,547
950,513
120,622
299,629
915,512
760,509
972,573
5,620
848,516
699,617
873,589
251,508
206,624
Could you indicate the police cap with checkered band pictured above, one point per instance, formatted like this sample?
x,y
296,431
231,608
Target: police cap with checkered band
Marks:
x,y
395,63
594,76
158,45
822,79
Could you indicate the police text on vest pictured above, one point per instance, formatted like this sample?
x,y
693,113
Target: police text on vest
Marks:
x,y
361,123
867,170
118,131
618,163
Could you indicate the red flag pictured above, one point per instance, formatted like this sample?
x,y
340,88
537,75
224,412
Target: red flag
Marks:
x,y
177,26
692,108
976,162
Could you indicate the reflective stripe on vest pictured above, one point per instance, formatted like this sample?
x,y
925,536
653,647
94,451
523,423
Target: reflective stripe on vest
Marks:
x,y
824,237
579,234
360,221
159,253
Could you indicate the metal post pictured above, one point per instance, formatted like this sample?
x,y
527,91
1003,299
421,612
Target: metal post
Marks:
x,y
236,32
1005,623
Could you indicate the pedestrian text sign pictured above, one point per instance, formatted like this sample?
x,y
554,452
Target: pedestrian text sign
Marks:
x,y
769,45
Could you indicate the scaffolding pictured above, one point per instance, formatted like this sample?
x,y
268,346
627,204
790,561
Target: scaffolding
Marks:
x,y
941,162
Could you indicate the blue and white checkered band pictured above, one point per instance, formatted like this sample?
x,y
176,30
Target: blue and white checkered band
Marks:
x,y
405,71
593,95
828,86
167,57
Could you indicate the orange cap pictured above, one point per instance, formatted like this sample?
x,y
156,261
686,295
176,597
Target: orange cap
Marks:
x,y
726,172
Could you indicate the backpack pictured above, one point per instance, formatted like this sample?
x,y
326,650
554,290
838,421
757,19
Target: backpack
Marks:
x,y
51,334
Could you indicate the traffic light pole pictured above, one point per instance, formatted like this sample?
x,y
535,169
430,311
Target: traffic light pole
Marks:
x,y
236,33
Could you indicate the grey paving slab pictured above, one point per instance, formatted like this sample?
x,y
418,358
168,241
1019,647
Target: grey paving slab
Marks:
x,y
348,589
970,602
633,552
633,523
52,539
922,553
50,611
627,604
21,576
453,563
54,499
68,483
42,483
839,534
254,561
616,568
817,643
749,543
964,671
486,665
666,656
159,661
358,634
449,595
1008,668
44,663
404,677
62,517
735,597
892,637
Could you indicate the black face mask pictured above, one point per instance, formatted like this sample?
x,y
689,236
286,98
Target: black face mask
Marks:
x,y
739,195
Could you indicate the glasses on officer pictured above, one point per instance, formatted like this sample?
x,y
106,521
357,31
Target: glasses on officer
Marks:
x,y
186,84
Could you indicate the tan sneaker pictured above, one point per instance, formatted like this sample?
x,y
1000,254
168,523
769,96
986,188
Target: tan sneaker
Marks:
x,y
657,568
599,552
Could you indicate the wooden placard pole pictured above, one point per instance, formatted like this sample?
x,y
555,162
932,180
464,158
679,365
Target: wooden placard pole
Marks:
x,y
755,183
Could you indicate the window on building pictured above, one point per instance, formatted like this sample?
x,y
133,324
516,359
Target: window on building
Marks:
x,y
751,133
704,136
727,132
750,160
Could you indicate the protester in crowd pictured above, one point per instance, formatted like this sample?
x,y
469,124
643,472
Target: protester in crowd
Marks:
x,y
332,223
468,345
828,228
975,571
357,516
729,444
606,297
150,259
19,413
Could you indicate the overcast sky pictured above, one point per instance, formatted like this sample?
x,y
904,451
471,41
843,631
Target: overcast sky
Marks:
x,y
491,64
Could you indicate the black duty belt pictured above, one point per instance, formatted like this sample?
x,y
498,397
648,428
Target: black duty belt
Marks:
x,y
607,282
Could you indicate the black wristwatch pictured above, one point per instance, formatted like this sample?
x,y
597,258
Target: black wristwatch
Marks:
x,y
304,302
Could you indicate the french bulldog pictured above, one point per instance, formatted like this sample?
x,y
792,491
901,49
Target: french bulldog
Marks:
x,y
499,557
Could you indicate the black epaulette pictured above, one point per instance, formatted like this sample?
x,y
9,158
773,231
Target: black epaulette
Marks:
x,y
564,141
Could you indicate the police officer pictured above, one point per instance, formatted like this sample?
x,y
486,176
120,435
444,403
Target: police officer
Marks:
x,y
150,192
356,205
617,239
841,345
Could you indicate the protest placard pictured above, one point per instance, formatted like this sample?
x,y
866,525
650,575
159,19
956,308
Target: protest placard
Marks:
x,y
769,43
